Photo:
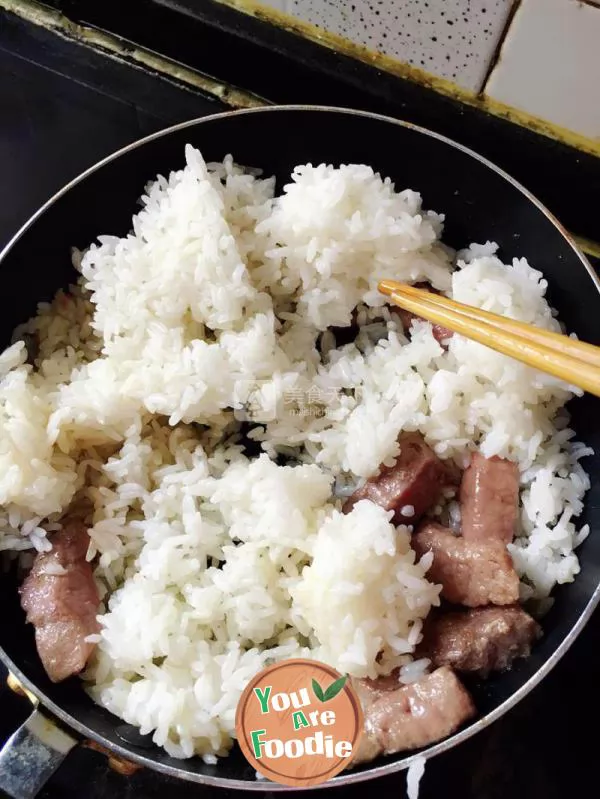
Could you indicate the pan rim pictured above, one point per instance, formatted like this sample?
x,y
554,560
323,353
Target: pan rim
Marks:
x,y
444,745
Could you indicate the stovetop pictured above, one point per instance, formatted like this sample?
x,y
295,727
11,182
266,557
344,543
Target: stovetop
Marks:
x,y
64,106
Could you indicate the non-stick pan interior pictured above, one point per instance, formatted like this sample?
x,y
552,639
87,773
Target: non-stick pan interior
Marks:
x,y
480,204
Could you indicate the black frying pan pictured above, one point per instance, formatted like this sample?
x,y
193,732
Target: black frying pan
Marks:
x,y
480,201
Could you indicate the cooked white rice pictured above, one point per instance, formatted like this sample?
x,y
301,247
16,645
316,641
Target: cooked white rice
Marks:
x,y
210,564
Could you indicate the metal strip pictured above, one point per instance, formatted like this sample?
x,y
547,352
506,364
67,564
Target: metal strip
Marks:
x,y
128,52
31,756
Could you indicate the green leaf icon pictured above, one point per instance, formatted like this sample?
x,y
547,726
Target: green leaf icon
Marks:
x,y
335,688
331,692
318,691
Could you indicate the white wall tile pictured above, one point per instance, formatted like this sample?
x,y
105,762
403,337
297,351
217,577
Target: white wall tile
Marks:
x,y
550,64
453,39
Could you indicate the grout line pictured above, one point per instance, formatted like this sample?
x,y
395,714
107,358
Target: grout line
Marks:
x,y
343,46
497,56
125,51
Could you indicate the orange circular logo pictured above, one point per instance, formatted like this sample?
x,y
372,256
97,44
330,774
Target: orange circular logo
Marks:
x,y
299,722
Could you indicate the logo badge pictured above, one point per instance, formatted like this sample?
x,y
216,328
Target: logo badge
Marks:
x,y
299,722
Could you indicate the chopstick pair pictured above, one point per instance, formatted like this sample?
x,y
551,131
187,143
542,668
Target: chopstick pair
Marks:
x,y
575,362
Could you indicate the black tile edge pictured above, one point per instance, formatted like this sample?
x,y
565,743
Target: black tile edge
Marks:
x,y
115,47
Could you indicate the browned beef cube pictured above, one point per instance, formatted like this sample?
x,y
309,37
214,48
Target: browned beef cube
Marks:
x,y
411,716
480,640
416,481
471,573
489,499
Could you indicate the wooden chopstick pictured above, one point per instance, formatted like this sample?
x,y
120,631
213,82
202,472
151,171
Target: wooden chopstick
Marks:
x,y
578,349
575,362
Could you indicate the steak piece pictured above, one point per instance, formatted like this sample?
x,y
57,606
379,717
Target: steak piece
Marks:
x,y
489,499
411,716
479,640
411,486
471,573
61,600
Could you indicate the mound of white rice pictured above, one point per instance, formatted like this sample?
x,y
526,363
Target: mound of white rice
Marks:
x,y
211,319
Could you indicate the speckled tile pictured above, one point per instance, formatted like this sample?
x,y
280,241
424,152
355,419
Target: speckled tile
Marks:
x,y
549,65
453,39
